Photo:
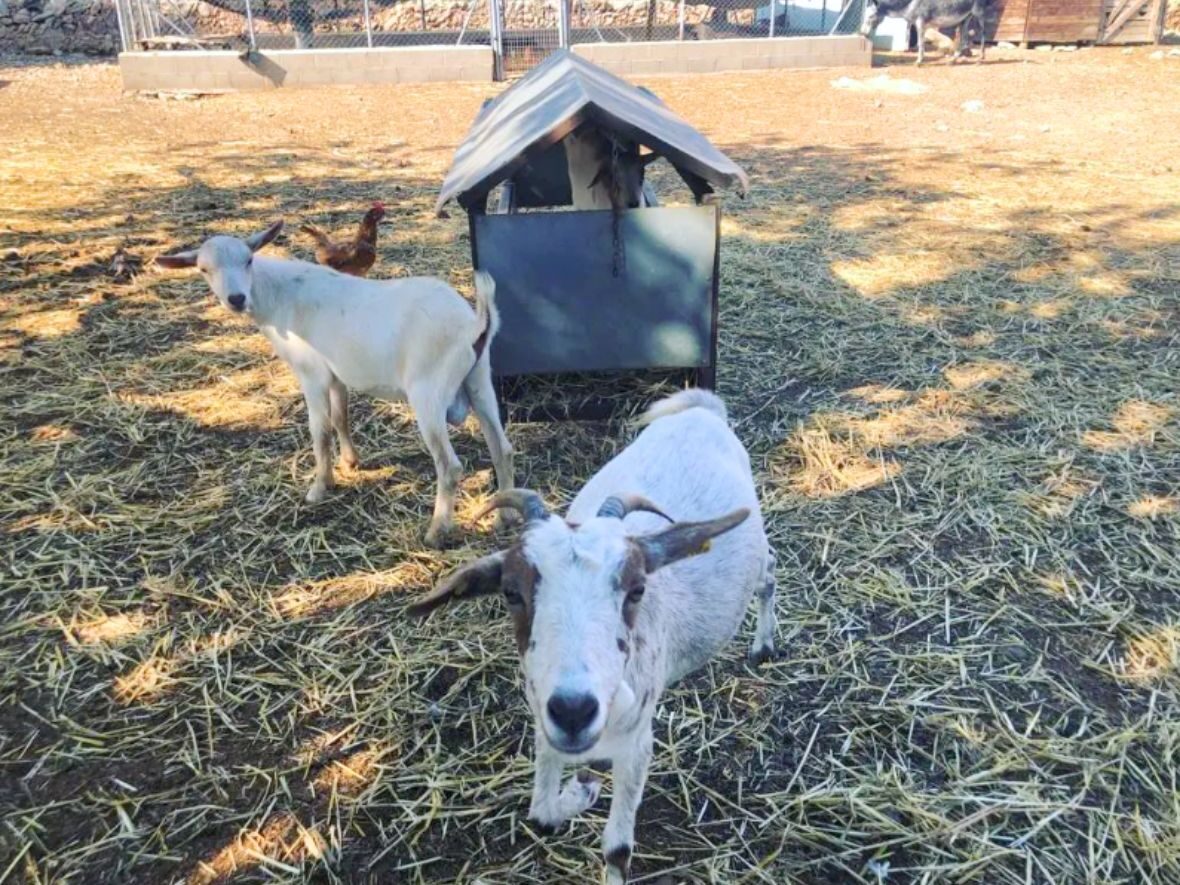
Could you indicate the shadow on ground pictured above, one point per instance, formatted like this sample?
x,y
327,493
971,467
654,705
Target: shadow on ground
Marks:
x,y
960,403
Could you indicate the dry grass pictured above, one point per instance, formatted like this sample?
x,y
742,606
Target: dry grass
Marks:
x,y
948,342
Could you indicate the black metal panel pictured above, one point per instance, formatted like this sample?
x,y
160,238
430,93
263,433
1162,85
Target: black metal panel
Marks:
x,y
563,308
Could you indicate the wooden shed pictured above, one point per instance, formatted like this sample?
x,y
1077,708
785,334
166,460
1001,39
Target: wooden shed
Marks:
x,y
591,291
1077,21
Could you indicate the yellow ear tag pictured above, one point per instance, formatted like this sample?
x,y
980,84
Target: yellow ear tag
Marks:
x,y
705,547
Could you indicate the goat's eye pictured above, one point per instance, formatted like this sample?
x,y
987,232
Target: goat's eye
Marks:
x,y
635,592
513,598
250,262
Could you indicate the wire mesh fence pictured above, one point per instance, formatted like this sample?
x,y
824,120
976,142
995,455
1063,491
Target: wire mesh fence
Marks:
x,y
523,32
648,20
301,24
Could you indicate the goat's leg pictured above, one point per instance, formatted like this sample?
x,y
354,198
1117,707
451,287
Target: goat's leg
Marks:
x,y
630,774
482,395
960,34
552,804
921,26
762,648
338,398
319,411
982,22
432,424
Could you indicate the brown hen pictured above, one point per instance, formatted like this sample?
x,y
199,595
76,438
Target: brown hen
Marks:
x,y
355,257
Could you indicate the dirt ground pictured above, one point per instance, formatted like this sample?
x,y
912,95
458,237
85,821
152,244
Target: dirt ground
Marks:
x,y
949,338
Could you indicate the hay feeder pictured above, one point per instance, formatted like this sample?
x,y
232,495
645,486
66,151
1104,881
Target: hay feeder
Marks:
x,y
606,292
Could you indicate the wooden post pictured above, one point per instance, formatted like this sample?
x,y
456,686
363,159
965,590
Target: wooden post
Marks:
x,y
1119,16
681,19
1157,22
422,12
651,17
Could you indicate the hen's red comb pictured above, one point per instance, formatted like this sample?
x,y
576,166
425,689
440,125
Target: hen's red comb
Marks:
x,y
377,204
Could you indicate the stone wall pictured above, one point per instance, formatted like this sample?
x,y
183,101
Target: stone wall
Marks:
x,y
46,27
448,15
90,26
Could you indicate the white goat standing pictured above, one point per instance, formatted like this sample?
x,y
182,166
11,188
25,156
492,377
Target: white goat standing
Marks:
x,y
602,173
611,604
414,339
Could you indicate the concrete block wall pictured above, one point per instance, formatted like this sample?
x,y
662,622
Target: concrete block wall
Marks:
x,y
701,56
228,72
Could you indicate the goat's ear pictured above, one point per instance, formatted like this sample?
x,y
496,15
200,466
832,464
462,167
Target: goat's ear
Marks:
x,y
179,260
477,578
259,240
685,539
600,176
647,159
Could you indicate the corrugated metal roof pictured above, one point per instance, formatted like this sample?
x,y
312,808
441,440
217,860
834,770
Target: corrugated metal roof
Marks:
x,y
555,98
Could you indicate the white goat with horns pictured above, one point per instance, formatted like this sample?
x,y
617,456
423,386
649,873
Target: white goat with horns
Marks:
x,y
414,339
612,604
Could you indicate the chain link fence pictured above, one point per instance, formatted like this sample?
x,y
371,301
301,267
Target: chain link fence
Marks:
x,y
301,24
647,20
523,31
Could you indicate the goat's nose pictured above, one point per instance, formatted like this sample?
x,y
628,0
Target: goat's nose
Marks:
x,y
572,712
237,301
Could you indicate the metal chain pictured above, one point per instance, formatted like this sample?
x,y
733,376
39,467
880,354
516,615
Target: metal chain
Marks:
x,y
618,249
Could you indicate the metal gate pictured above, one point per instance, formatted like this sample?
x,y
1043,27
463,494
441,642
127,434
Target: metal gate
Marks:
x,y
525,32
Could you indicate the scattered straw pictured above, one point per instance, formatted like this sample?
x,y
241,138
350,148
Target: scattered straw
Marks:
x,y
950,354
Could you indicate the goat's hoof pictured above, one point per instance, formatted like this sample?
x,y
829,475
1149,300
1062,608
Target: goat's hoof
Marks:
x,y
316,494
761,655
350,462
543,828
437,537
618,865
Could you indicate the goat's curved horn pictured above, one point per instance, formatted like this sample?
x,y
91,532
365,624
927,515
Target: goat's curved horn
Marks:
x,y
529,503
619,506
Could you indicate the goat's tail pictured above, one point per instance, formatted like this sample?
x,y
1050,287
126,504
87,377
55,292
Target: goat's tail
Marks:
x,y
486,314
693,398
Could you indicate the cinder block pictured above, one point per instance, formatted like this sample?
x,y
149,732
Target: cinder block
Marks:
x,y
247,79
792,56
414,74
133,81
701,65
386,74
